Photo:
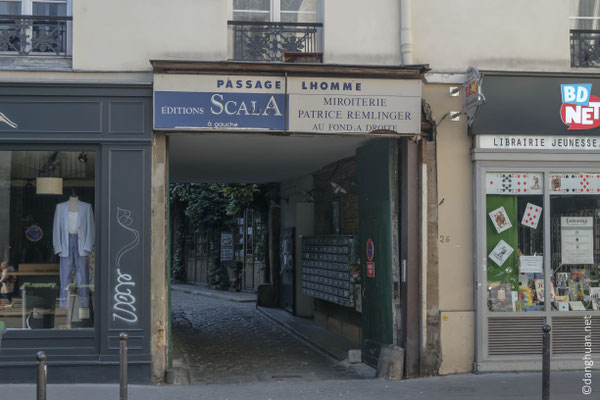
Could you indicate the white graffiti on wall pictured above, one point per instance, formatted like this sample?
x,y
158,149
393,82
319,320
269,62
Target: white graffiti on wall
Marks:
x,y
124,300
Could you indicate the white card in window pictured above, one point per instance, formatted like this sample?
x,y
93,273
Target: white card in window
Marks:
x,y
531,264
501,252
513,183
531,215
500,220
563,306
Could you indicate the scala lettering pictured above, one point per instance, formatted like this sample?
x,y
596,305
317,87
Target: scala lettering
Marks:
x,y
240,107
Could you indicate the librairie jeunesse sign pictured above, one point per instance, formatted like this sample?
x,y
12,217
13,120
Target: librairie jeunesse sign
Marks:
x,y
298,104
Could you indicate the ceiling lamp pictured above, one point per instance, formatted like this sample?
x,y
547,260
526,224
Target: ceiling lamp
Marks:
x,y
48,185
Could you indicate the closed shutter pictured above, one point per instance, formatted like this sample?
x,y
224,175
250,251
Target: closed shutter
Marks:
x,y
515,336
569,335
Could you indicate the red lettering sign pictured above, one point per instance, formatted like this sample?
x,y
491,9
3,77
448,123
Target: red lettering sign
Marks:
x,y
581,117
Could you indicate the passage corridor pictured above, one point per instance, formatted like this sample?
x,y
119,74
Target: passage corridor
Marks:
x,y
220,341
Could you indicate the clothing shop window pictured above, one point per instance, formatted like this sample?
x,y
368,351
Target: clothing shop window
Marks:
x,y
47,244
30,27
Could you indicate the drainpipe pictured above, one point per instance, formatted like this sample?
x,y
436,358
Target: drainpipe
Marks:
x,y
424,254
405,32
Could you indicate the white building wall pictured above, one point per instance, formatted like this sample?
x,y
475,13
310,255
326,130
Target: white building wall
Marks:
x,y
511,35
362,32
116,35
112,35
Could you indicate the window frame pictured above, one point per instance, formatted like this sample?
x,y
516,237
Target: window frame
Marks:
x,y
275,11
27,10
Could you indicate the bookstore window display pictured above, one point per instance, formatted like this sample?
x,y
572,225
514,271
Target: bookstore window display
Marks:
x,y
46,207
575,219
515,241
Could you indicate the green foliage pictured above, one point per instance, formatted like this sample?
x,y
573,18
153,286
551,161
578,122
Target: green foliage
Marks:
x,y
211,205
217,275
178,266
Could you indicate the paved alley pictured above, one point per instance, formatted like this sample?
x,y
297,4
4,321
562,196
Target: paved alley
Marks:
x,y
220,341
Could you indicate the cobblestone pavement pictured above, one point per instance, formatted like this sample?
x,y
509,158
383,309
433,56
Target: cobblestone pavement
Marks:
x,y
226,342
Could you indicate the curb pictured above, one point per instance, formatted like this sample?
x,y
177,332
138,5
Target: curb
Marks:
x,y
299,335
213,295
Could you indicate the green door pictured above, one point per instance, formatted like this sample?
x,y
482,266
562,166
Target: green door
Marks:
x,y
375,213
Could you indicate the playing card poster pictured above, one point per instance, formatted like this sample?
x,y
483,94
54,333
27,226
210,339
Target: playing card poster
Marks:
x,y
500,219
514,183
575,183
577,240
501,252
531,215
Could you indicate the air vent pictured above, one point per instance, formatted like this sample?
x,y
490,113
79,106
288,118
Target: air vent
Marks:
x,y
568,335
515,336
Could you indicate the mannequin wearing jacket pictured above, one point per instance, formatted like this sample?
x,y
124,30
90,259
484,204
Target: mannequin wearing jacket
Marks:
x,y
73,240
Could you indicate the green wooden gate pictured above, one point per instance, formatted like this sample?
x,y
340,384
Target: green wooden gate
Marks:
x,y
375,214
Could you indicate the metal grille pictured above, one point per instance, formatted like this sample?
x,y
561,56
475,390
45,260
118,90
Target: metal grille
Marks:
x,y
585,48
569,334
515,336
267,41
33,35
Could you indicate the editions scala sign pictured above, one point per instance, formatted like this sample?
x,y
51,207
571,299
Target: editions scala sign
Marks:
x,y
580,109
296,104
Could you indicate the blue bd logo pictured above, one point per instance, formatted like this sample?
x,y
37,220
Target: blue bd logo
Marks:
x,y
578,94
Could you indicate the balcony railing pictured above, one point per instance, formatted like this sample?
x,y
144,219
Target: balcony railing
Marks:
x,y
267,41
33,35
585,48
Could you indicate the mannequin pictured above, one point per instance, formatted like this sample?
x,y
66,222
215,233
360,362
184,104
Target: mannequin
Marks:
x,y
73,240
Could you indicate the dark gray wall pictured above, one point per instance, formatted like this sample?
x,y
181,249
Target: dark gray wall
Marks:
x,y
527,104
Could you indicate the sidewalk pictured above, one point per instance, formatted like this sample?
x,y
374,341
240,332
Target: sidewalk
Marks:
x,y
565,385
239,297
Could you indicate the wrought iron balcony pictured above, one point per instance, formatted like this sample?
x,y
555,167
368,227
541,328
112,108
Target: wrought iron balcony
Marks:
x,y
267,41
33,35
585,48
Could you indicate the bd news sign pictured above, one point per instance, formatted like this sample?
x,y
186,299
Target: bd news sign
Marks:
x,y
580,109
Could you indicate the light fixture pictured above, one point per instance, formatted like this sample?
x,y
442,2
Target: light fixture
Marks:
x,y
337,188
82,157
48,185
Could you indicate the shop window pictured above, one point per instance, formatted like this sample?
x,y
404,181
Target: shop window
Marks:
x,y
515,241
517,263
29,27
47,241
575,219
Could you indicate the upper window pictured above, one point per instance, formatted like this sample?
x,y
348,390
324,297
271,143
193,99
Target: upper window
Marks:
x,y
275,10
585,33
263,30
29,27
